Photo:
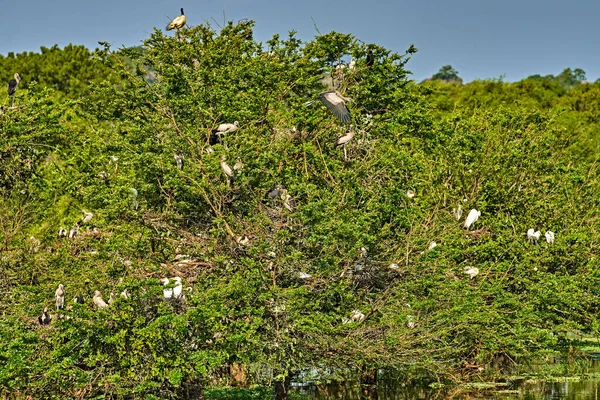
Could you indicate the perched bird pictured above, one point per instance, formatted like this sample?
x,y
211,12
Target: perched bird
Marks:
x,y
239,165
394,266
472,271
35,244
472,218
74,231
273,194
98,301
364,252
370,59
87,216
102,175
12,87
336,103
304,275
432,245
78,299
45,318
549,237
533,236
124,294
62,232
411,322
224,129
288,202
59,295
344,140
172,292
357,316
352,64
133,194
410,194
227,170
111,299
179,160
177,23
457,212
243,240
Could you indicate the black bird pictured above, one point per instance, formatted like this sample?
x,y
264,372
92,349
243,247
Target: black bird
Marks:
x,y
370,58
12,87
45,318
78,299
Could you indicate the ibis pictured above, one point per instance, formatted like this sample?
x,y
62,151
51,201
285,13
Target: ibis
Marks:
x,y
549,237
227,170
172,291
177,23
178,160
336,103
60,297
98,301
45,318
344,140
472,218
12,87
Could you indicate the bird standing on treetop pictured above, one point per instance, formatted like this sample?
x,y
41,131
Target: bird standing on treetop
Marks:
x,y
549,237
172,292
177,23
336,103
370,59
60,297
87,216
12,87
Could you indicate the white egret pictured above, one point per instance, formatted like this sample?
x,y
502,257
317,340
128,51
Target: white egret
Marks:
x,y
472,271
59,295
304,275
45,318
98,301
133,195
549,237
472,218
177,23
533,236
357,316
432,245
172,292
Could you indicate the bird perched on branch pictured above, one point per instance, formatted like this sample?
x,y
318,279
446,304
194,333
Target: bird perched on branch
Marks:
x,y
74,231
179,160
549,237
87,216
62,232
218,134
45,318
344,140
370,59
12,87
172,292
60,297
472,218
227,170
239,165
98,301
177,23
533,236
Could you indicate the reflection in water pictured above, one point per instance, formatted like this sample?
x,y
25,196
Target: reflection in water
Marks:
x,y
524,390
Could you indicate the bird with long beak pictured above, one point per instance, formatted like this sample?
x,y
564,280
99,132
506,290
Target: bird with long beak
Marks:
x,y
98,301
45,318
472,218
12,87
344,140
336,103
177,23
218,135
227,170
60,297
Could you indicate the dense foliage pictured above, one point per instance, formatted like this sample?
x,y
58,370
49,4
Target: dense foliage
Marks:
x,y
523,153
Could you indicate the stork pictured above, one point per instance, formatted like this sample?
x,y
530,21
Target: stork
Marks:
x,y
60,297
45,318
238,165
357,316
12,88
336,103
227,170
344,140
74,231
222,130
177,23
98,301
87,216
471,271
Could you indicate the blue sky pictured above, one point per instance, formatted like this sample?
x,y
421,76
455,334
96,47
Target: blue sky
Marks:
x,y
479,38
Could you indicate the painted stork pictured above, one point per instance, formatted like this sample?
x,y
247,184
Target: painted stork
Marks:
x,y
344,140
87,216
336,103
45,318
177,23
12,87
60,297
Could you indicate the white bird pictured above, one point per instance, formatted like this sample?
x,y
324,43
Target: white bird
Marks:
x,y
472,271
74,231
411,322
432,245
133,194
336,103
87,216
238,165
342,141
62,232
124,294
35,244
394,266
103,176
224,129
364,252
172,292
113,159
357,316
177,23
98,301
410,194
304,275
59,295
179,160
457,212
472,218
549,237
45,318
243,240
352,64
533,236
111,299
227,170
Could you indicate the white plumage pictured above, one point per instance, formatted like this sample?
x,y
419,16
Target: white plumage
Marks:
x,y
172,292
59,295
472,218
357,316
472,271
177,22
87,216
304,275
533,236
549,237
179,160
98,301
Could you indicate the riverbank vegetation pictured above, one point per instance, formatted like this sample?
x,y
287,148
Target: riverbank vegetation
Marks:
x,y
304,264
